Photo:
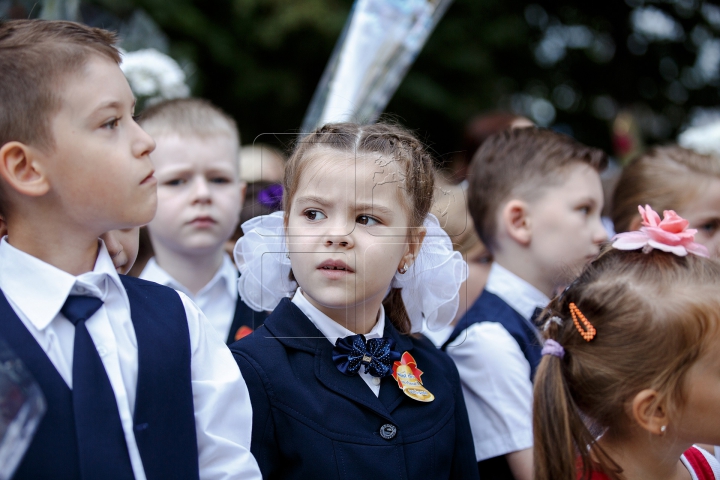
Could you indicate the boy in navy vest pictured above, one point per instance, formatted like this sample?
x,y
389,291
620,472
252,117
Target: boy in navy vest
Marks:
x,y
200,196
137,383
535,198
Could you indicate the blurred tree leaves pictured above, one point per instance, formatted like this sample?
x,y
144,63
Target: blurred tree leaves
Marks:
x,y
572,64
258,59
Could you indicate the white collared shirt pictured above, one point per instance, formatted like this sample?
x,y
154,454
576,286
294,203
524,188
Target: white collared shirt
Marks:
x,y
495,374
37,291
333,330
217,299
438,336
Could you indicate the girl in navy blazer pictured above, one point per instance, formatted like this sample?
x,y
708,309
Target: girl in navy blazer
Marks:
x,y
352,267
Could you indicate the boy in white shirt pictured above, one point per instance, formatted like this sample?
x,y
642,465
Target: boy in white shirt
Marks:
x,y
200,196
137,384
535,198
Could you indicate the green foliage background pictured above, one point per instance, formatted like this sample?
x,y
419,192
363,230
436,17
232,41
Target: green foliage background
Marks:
x,y
261,60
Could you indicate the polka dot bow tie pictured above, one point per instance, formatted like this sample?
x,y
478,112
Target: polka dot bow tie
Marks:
x,y
377,354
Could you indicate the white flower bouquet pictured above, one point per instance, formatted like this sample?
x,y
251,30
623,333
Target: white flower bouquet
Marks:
x,y
154,76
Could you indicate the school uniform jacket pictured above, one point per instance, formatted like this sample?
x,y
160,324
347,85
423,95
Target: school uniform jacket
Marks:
x,y
311,421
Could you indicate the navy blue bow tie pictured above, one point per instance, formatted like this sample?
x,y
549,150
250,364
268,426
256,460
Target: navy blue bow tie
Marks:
x,y
376,354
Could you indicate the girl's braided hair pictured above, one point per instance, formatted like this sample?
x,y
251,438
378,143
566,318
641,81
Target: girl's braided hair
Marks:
x,y
391,142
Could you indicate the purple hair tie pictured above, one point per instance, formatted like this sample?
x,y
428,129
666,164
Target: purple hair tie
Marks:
x,y
271,197
552,347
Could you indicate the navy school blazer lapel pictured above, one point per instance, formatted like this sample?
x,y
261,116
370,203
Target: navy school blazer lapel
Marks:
x,y
294,330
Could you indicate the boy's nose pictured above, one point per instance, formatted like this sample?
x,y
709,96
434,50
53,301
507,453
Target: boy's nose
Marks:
x,y
201,190
143,144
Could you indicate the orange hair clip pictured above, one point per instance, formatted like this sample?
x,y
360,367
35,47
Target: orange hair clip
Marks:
x,y
588,332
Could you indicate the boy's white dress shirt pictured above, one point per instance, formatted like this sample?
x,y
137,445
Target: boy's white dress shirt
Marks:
x,y
494,373
223,414
217,299
333,330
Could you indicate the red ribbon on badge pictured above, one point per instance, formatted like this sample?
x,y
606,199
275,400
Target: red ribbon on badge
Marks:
x,y
408,360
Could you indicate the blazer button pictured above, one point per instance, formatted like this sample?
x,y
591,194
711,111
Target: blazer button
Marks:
x,y
388,431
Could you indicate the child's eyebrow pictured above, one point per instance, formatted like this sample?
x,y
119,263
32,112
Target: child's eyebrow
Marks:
x,y
313,199
109,104
590,200
374,207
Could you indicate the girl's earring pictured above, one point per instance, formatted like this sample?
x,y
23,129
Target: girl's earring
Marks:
x,y
663,429
403,269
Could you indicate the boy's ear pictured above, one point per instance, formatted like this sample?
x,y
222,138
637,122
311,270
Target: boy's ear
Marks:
x,y
515,217
20,170
648,413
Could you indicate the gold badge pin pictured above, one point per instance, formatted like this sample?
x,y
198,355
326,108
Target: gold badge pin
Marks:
x,y
406,373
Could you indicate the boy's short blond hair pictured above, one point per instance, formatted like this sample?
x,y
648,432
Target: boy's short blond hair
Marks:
x,y
188,116
36,57
520,163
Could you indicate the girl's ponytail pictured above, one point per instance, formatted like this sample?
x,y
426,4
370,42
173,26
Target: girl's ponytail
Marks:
x,y
558,426
562,439
554,449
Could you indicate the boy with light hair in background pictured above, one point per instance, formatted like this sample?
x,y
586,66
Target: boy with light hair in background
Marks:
x,y
200,196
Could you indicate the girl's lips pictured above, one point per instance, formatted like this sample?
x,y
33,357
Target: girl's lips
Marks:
x,y
149,179
335,265
203,222
334,269
333,274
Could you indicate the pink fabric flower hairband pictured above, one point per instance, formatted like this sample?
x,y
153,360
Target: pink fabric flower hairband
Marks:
x,y
669,235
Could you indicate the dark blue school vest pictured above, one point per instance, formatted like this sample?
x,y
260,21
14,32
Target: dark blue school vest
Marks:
x,y
164,414
491,308
244,316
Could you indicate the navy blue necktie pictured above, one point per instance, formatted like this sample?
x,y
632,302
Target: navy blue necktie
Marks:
x,y
101,439
377,354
